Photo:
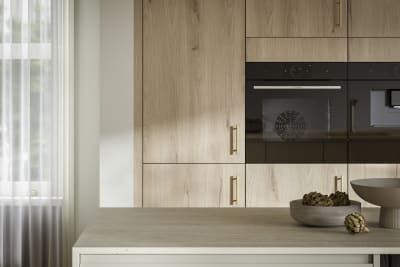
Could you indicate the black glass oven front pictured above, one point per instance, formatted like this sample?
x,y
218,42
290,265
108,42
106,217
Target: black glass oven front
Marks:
x,y
296,113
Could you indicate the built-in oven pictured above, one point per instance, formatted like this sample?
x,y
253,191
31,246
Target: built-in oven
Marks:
x,y
374,112
296,113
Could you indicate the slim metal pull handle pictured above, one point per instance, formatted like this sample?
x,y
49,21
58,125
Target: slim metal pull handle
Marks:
x,y
234,190
353,104
339,184
338,13
234,139
297,87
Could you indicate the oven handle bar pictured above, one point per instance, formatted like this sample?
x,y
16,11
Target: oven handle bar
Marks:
x,y
297,87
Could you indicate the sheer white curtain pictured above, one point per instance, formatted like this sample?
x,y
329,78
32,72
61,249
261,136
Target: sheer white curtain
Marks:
x,y
31,132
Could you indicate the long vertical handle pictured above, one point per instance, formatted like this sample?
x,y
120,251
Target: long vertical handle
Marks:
x,y
338,13
353,104
234,190
234,139
339,184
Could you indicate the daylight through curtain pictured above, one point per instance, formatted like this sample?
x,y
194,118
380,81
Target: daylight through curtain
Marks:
x,y
30,132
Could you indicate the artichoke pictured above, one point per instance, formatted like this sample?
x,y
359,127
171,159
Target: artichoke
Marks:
x,y
317,199
340,199
355,223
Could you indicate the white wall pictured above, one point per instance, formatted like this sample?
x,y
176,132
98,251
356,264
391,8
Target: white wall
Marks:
x,y
87,82
116,104
93,19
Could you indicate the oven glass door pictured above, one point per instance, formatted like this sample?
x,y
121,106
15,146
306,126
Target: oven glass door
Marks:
x,y
296,121
374,122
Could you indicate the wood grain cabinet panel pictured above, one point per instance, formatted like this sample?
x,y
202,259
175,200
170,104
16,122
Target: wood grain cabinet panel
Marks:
x,y
275,185
365,171
193,185
374,18
296,49
374,49
193,81
296,18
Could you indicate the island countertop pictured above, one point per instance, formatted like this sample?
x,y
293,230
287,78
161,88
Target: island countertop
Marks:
x,y
228,230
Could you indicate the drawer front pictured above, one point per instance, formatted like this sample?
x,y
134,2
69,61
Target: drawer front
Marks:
x,y
296,49
374,49
193,185
225,265
226,260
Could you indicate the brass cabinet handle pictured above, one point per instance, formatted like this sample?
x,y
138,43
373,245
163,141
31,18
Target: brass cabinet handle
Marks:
x,y
234,190
234,139
339,185
338,13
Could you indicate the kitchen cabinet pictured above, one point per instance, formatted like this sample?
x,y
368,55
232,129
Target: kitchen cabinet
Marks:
x,y
365,171
194,185
296,49
193,80
374,18
275,185
296,18
374,49
226,237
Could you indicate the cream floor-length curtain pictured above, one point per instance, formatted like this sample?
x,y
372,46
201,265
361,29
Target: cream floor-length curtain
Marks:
x,y
31,135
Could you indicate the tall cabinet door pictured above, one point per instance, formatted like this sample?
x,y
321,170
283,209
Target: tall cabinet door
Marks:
x,y
296,18
193,81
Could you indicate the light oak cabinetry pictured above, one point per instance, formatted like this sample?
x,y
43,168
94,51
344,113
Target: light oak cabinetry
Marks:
x,y
296,18
374,18
374,28
365,171
296,49
374,49
193,81
194,185
275,185
280,30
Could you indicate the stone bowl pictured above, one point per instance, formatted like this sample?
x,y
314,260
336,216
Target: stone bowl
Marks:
x,y
322,216
383,192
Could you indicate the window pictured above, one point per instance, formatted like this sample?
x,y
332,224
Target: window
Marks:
x,y
31,104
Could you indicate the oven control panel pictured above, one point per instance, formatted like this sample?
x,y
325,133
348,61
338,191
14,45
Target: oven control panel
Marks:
x,y
299,70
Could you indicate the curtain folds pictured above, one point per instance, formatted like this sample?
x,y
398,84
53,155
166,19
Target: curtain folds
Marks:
x,y
31,104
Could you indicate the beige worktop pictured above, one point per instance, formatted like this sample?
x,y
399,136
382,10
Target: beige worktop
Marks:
x,y
251,230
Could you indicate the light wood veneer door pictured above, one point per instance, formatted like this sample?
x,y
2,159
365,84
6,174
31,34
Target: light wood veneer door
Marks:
x,y
365,171
275,185
193,83
374,49
296,49
296,18
194,185
374,18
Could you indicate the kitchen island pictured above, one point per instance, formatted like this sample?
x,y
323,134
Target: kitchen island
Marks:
x,y
226,237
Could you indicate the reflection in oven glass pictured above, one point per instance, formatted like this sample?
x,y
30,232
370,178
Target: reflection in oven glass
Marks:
x,y
295,119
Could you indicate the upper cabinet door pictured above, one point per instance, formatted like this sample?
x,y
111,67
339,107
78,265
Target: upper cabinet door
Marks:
x,y
374,18
296,18
193,81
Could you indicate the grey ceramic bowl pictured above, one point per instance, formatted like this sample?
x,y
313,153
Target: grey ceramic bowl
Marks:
x,y
322,216
384,192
